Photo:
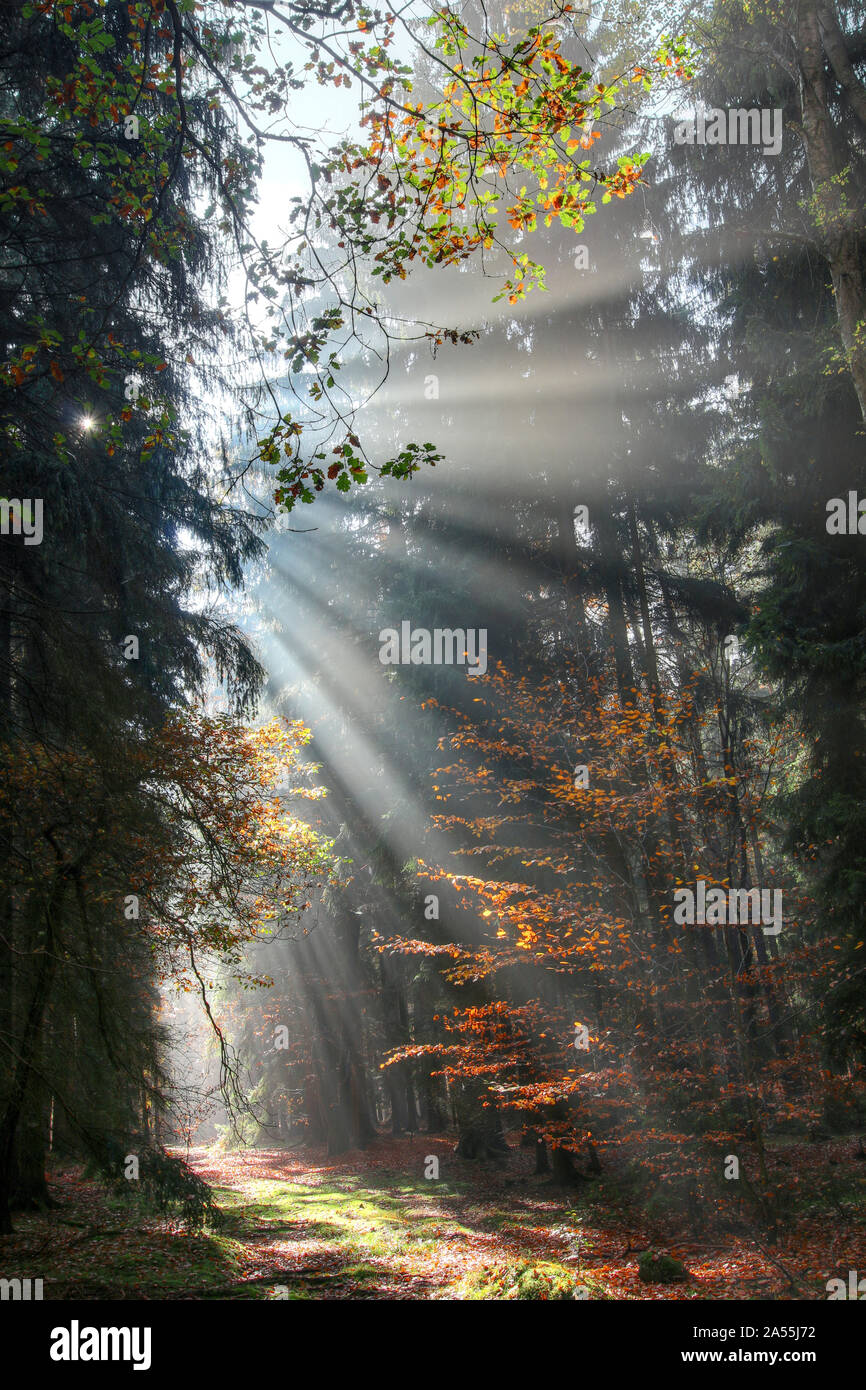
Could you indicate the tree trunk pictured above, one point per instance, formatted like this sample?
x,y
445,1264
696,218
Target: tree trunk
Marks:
x,y
28,1048
29,1189
479,1126
564,1171
841,235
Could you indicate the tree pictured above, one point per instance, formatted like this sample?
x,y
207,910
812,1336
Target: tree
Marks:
x,y
611,1027
788,310
184,837
806,59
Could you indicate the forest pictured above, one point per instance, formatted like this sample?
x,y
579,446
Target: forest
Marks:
x,y
433,652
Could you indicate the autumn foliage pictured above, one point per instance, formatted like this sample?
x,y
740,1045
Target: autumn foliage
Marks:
x,y
594,1018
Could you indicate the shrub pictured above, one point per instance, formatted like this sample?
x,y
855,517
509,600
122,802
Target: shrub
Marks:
x,y
654,1268
164,1181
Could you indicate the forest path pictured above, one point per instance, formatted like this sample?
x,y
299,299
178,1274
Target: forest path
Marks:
x,y
368,1224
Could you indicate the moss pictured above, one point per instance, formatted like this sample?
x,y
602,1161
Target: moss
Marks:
x,y
524,1281
661,1269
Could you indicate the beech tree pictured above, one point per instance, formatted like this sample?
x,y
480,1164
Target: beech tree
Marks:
x,y
580,1001
164,103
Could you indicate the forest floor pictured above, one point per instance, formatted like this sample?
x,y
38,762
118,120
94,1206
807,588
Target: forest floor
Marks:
x,y
369,1225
